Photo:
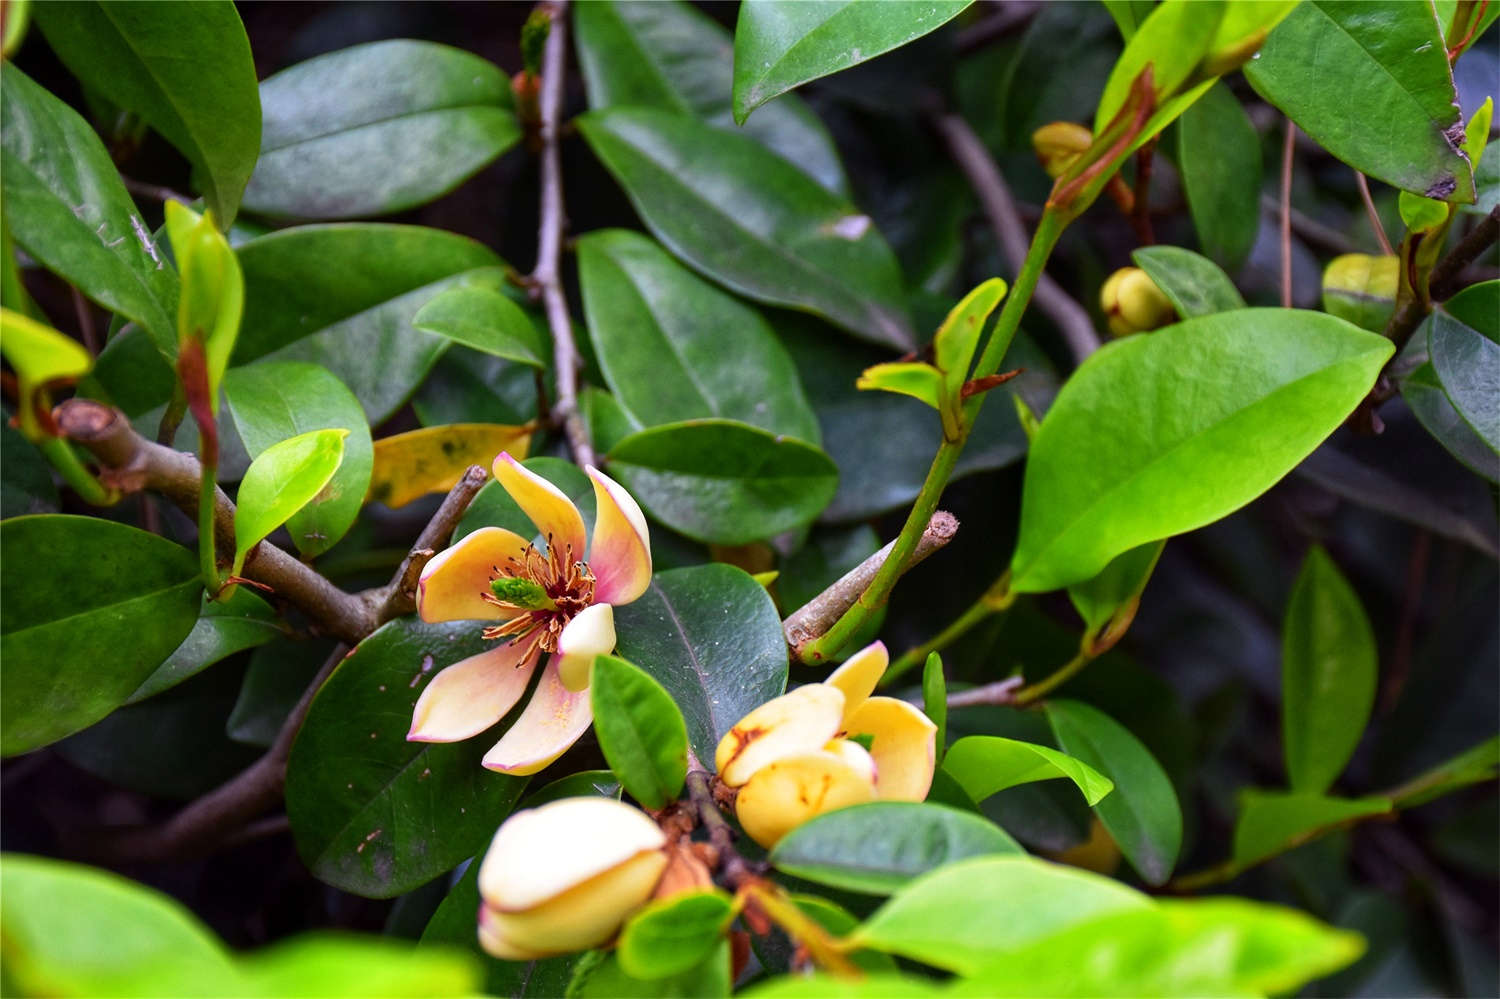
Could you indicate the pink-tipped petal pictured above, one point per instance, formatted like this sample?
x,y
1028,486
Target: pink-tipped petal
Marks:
x,y
554,515
454,583
553,720
590,634
621,554
471,695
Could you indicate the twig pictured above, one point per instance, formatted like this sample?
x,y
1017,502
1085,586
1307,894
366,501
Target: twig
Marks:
x,y
999,692
1287,146
968,151
86,330
1372,214
154,191
545,279
1310,230
1140,204
819,614
736,869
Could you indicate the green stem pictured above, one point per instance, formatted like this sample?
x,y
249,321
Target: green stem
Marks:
x,y
65,460
996,600
208,458
1042,688
1048,231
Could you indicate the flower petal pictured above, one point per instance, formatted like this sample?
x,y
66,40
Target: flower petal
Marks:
x,y
582,917
796,722
590,634
620,557
784,794
904,746
553,720
454,583
859,675
471,695
550,510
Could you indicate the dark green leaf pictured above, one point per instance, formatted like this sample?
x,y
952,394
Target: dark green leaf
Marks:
x,y
1195,285
779,44
641,732
1389,64
283,479
1427,399
224,627
1218,155
487,321
667,54
273,401
1143,815
600,783
935,700
752,221
878,847
1478,307
1124,457
725,482
377,128
673,935
1468,364
372,813
984,764
1116,589
274,682
25,476
66,206
186,70
711,636
1328,674
1271,822
660,333
77,644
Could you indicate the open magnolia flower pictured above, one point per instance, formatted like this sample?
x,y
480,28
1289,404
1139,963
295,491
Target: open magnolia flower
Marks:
x,y
541,601
825,746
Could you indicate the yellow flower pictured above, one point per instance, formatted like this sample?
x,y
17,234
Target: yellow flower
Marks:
x,y
1133,303
804,753
542,600
564,876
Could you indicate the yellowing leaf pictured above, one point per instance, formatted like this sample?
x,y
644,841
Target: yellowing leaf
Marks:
x,y
433,459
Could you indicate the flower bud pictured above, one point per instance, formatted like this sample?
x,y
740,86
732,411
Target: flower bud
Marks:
x,y
564,876
1059,143
800,721
1133,302
903,745
1362,289
782,795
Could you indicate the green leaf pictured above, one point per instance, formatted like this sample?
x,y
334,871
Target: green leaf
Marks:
x,y
935,700
605,978
66,206
962,917
274,400
822,985
1469,767
641,732
917,379
1195,285
1172,40
673,935
1124,457
344,966
1129,14
377,128
671,56
1478,307
1218,155
752,221
487,321
779,44
984,764
275,680
186,71
711,636
1272,822
600,783
659,331
1468,364
223,628
283,479
1362,289
877,847
77,643
1116,591
1391,64
1433,409
372,813
1328,674
43,359
1143,815
212,301
724,482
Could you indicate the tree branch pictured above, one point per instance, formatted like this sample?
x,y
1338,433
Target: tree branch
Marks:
x,y
401,592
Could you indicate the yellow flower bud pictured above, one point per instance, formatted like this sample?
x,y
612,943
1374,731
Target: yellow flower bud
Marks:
x,y
782,795
1059,143
564,876
1362,289
798,722
1133,302
903,746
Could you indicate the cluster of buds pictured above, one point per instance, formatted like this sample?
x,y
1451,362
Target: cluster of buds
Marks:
x,y
1133,303
826,746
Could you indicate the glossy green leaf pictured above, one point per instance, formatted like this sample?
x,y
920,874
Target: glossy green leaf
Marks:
x,y
1424,393
711,636
487,321
154,59
724,482
335,123
673,347
1478,307
278,675
876,848
77,644
600,783
344,966
1195,285
1328,674
66,206
1469,767
1117,589
780,44
1173,40
1391,65
674,935
1272,822
275,400
1218,155
962,916
935,700
372,813
984,764
667,54
1468,364
641,732
751,221
25,476
1142,815
1124,458
223,628
605,978
283,479
823,985
917,379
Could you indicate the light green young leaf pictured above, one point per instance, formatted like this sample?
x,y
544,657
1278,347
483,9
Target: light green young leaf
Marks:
x,y
917,379
674,935
985,764
486,320
1110,598
641,732
1272,822
953,345
213,289
1173,40
935,700
1469,767
42,357
284,479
